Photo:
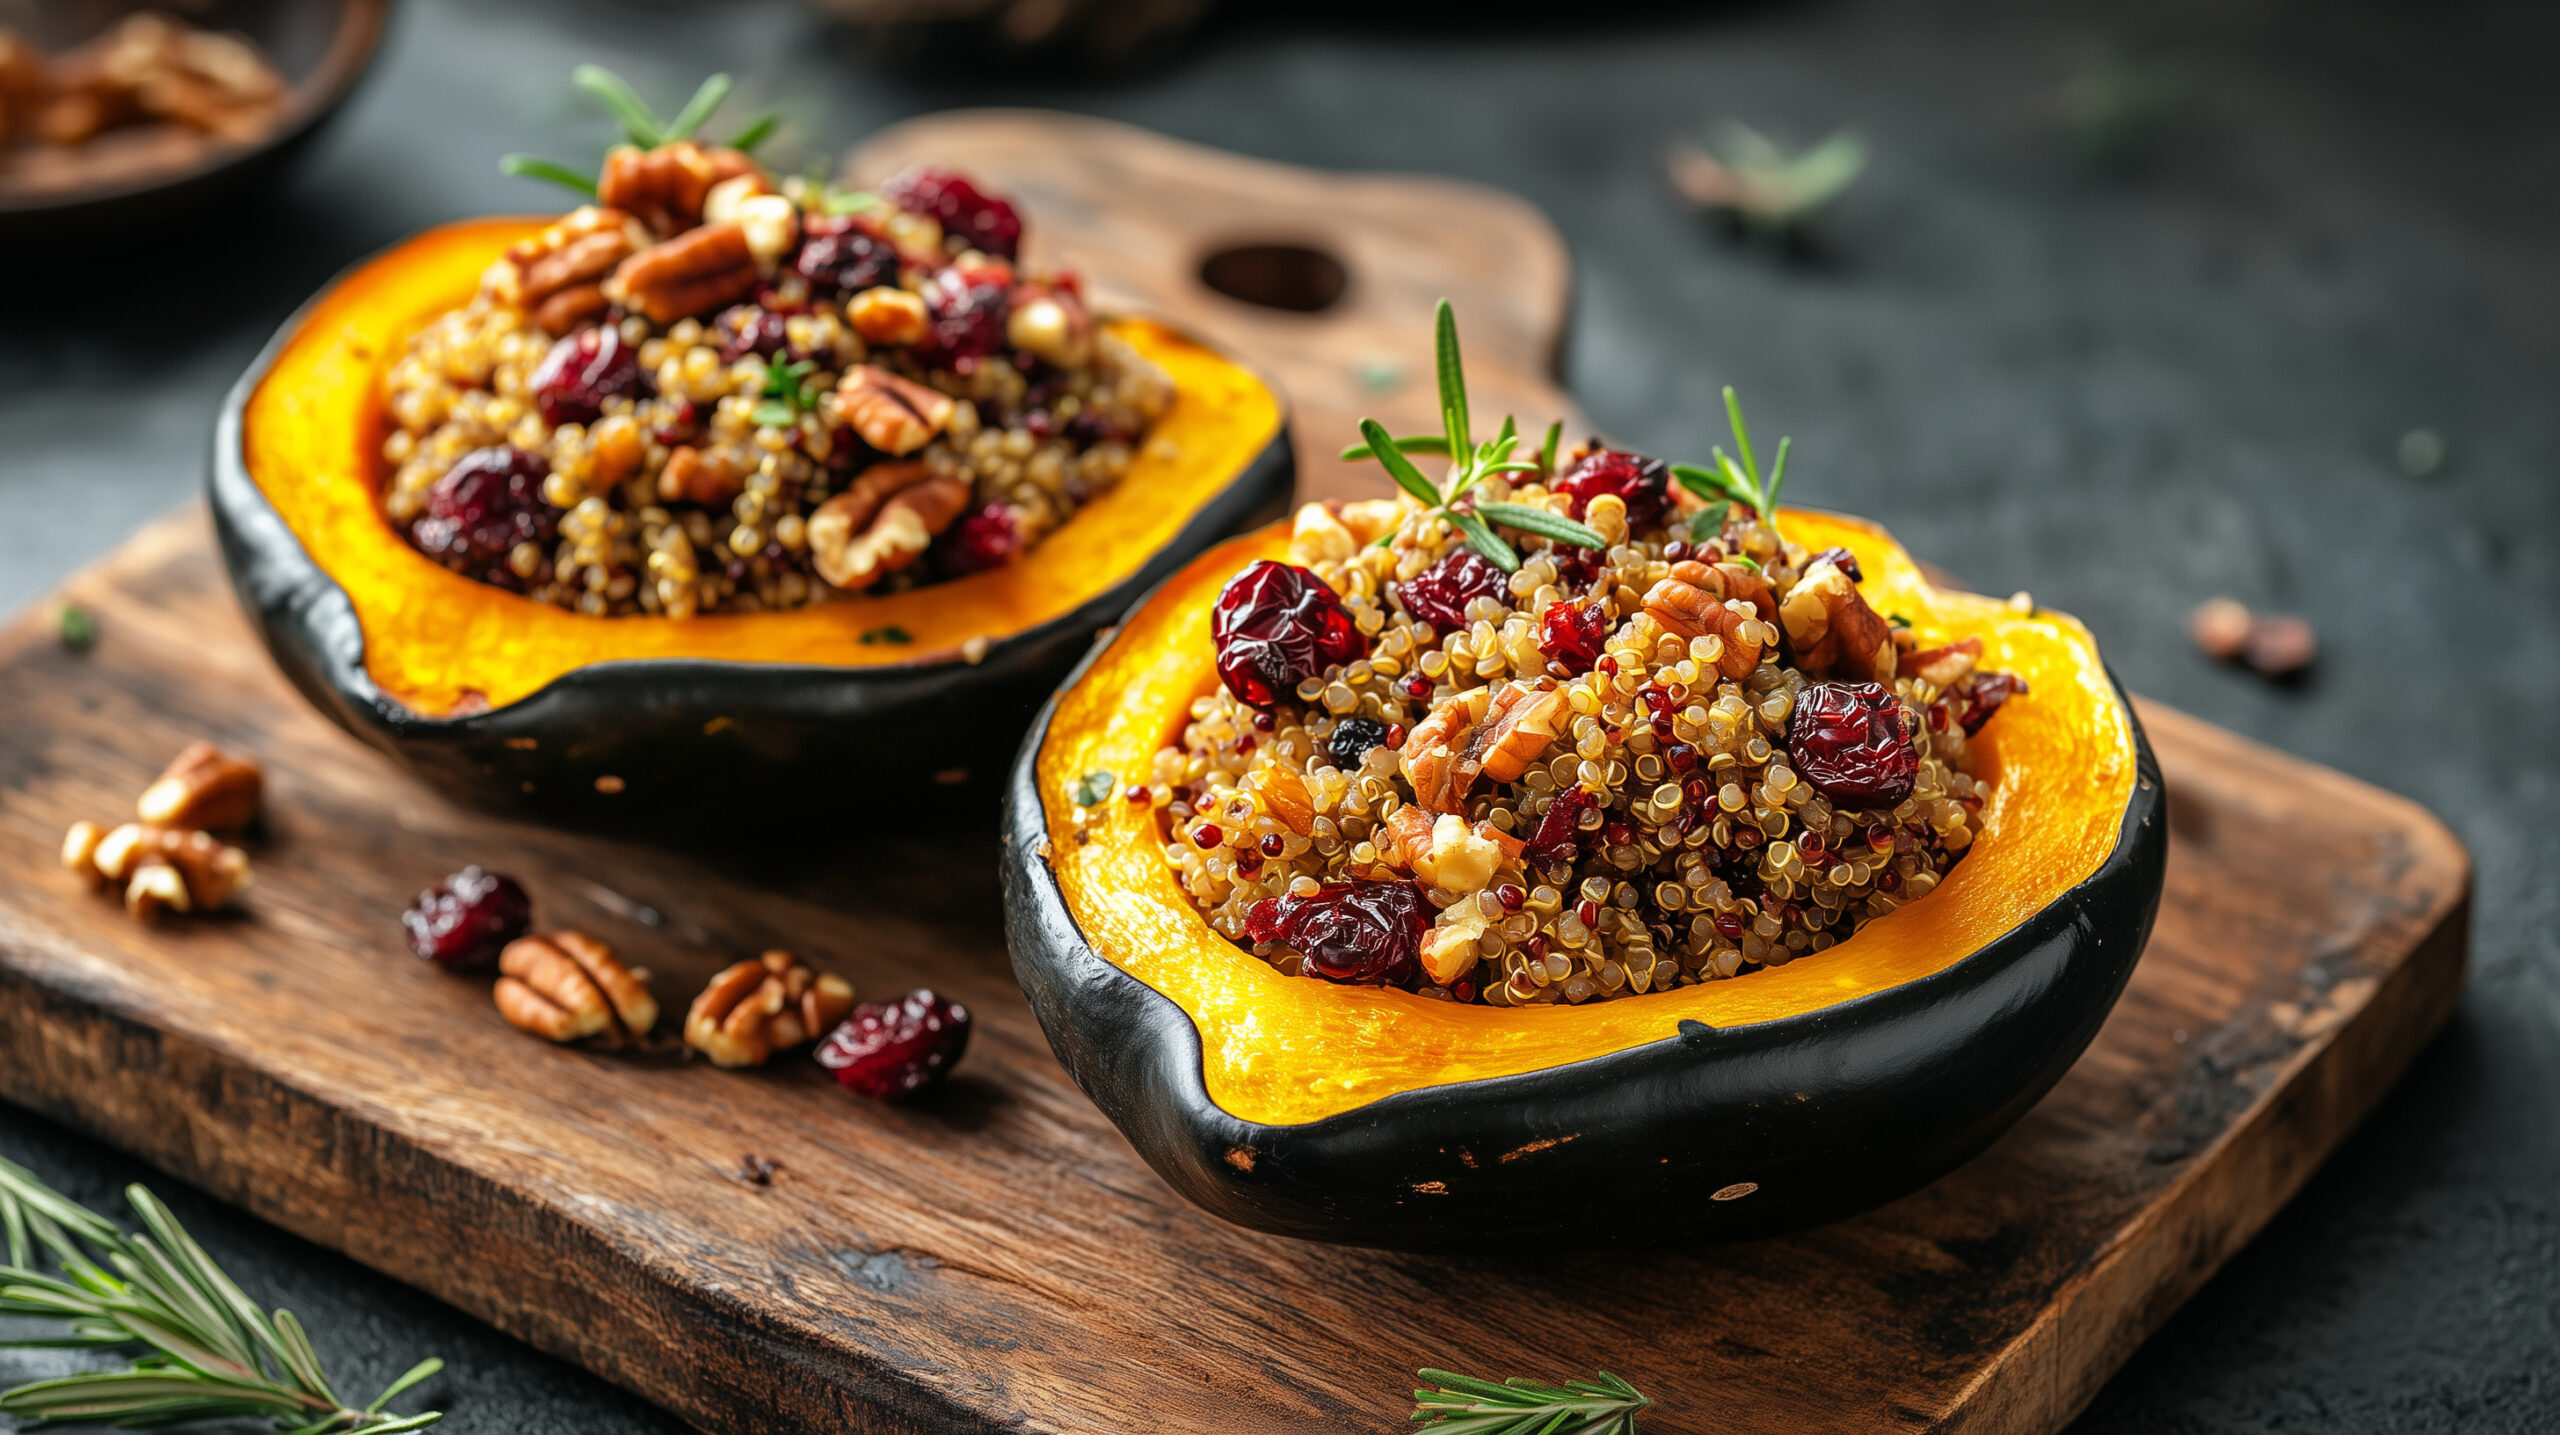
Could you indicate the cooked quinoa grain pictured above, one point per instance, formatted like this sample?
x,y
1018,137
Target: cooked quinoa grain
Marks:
x,y
712,393
1606,773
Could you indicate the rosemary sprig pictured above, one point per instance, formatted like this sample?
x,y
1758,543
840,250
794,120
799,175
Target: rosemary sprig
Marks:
x,y
1730,483
1464,1405
1471,464
214,1354
787,393
640,125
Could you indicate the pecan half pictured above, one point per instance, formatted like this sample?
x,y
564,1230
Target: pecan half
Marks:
x,y
1692,604
558,276
666,186
1484,732
689,275
859,536
754,1009
893,414
203,787
163,868
567,986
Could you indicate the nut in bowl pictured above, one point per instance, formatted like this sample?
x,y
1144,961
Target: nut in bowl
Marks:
x,y
721,494
1574,822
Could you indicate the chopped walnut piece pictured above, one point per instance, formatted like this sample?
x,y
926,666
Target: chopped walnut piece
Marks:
x,y
687,276
1834,632
887,314
567,986
895,415
206,788
753,1009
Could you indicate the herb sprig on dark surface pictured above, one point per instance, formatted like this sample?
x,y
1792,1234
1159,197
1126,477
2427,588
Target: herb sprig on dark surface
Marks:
x,y
1465,1405
1730,483
1472,463
214,1354
640,125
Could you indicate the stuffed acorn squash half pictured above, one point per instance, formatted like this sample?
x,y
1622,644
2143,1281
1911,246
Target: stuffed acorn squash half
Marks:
x,y
1578,849
720,495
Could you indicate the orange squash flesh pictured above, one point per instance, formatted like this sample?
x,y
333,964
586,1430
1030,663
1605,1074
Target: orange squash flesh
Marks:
x,y
1281,1050
441,643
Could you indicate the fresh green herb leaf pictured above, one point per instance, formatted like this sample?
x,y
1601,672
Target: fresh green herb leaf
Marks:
x,y
1464,1405
638,125
1742,173
1746,560
1453,378
1710,521
774,414
850,201
705,99
532,166
218,1356
1485,541
787,393
758,130
1094,788
1432,443
891,634
1547,450
1539,521
1897,620
77,630
1398,467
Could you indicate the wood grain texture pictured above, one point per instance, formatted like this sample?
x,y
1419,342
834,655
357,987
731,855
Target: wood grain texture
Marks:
x,y
1136,214
997,1258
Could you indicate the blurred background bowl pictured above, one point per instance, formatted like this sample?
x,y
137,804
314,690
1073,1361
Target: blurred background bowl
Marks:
x,y
320,47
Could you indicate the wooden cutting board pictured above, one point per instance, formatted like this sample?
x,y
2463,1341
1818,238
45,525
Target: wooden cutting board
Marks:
x,y
997,1258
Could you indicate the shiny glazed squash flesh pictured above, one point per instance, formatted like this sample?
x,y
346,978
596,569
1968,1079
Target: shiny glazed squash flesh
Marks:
x,y
440,643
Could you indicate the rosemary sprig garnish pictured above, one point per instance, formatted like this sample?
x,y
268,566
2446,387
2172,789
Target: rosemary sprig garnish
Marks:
x,y
787,393
215,1355
1464,1405
1471,464
1729,483
640,125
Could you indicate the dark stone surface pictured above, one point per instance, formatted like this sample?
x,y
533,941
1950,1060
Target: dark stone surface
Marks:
x,y
2122,391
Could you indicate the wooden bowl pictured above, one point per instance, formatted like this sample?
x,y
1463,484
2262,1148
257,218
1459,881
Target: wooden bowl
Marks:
x,y
321,47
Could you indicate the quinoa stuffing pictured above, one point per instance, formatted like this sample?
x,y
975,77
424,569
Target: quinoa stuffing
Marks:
x,y
714,392
1563,728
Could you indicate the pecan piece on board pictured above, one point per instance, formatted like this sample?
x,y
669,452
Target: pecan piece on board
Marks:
x,y
567,986
687,276
203,787
754,1009
163,868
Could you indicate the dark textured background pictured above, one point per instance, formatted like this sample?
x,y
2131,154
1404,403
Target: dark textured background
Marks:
x,y
2123,391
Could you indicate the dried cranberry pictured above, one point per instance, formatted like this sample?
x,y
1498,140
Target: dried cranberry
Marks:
x,y
744,329
1842,559
1439,594
1848,741
1352,738
1729,925
979,219
1559,831
1277,625
1275,845
1990,690
1571,635
964,317
465,920
572,382
487,503
1642,483
841,256
981,540
1355,931
890,1051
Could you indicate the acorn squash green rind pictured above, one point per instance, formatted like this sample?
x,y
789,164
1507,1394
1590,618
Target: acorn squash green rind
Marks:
x,y
1791,1121
679,743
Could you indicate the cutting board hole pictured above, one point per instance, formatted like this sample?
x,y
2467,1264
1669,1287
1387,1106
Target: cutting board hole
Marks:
x,y
1293,277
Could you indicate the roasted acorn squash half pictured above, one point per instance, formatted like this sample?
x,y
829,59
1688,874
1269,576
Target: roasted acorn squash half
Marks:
x,y
648,720
1771,1101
